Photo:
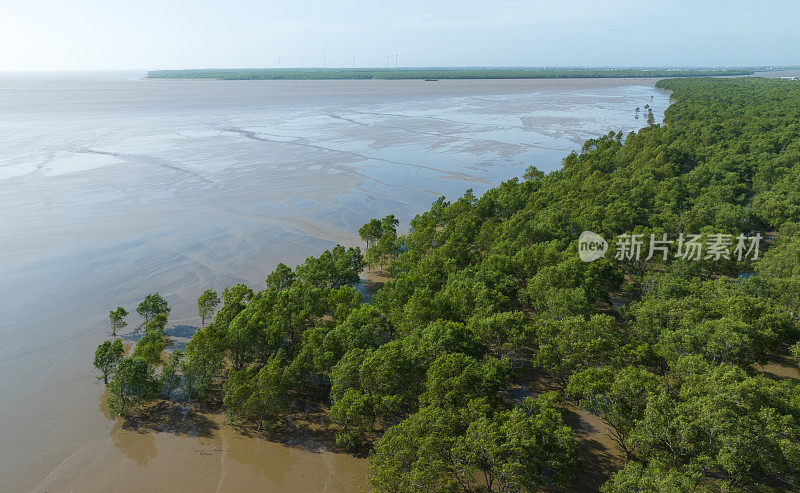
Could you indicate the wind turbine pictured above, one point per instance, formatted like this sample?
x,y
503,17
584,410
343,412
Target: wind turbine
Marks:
x,y
323,58
354,62
395,59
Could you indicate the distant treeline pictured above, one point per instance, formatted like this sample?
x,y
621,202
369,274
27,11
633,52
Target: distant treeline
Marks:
x,y
440,73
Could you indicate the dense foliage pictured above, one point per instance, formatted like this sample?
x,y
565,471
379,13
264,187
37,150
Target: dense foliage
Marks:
x,y
488,295
439,73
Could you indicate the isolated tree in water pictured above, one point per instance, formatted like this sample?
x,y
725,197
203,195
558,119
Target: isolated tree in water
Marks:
x,y
152,305
116,320
107,356
206,304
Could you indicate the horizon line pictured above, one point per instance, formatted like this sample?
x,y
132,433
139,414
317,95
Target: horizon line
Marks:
x,y
439,67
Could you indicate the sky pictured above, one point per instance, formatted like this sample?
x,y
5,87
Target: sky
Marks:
x,y
171,34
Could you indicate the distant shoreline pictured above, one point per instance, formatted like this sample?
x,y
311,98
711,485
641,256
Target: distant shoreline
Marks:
x,y
433,74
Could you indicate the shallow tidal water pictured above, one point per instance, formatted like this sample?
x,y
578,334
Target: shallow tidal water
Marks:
x,y
112,187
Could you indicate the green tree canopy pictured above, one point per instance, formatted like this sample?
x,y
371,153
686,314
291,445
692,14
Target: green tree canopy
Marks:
x,y
116,320
206,304
107,356
151,306
132,384
150,347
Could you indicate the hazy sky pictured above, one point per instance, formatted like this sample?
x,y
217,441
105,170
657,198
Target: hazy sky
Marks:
x,y
153,34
